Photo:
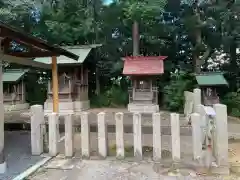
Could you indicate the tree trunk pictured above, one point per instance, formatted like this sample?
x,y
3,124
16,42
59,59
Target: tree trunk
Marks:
x,y
196,59
97,92
135,39
233,65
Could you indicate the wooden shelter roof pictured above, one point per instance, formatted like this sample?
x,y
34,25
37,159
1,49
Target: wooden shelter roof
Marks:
x,y
143,65
32,47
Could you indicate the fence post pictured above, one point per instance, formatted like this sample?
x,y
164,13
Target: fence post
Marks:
x,y
221,137
196,99
37,119
68,135
157,138
102,135
137,135
196,136
175,131
53,134
119,135
85,135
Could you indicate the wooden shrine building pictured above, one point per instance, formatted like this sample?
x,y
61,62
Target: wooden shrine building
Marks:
x,y
208,83
73,81
14,94
143,95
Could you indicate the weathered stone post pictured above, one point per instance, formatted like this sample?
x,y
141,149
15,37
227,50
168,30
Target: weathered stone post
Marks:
x,y
53,134
196,99
203,121
137,135
221,138
157,142
196,136
102,135
68,135
175,131
85,135
119,136
37,119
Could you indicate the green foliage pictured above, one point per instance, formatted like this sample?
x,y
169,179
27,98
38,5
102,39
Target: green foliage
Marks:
x,y
232,100
174,91
114,97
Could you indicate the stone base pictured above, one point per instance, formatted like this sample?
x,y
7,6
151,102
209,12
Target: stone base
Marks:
x,y
3,168
15,107
143,108
67,107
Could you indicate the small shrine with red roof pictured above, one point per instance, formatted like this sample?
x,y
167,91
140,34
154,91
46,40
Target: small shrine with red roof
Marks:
x,y
143,95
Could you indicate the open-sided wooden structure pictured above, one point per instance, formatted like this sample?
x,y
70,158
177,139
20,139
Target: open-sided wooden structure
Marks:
x,y
14,90
73,81
209,82
143,95
19,47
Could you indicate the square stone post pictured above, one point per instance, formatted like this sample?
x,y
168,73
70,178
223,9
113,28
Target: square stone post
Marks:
x,y
196,136
37,120
137,135
85,135
175,131
157,138
221,137
102,135
68,135
119,135
196,99
53,135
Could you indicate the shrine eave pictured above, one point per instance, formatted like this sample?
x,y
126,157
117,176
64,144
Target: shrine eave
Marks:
x,y
143,66
35,47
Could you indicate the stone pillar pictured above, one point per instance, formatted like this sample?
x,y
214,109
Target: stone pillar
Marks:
x,y
119,135
157,138
2,156
53,135
102,135
221,136
137,135
37,120
203,121
85,135
196,136
68,135
175,131
196,99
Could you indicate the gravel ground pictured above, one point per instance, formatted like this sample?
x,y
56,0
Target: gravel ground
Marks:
x,y
18,154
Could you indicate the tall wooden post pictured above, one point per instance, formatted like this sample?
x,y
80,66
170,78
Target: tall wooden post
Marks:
x,y
55,84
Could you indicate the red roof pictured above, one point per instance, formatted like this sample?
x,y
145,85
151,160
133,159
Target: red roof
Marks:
x,y
142,65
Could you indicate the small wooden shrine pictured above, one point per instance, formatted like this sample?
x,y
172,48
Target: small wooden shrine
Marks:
x,y
72,81
208,83
143,95
14,90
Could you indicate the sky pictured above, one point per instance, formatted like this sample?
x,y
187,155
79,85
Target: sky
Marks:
x,y
108,1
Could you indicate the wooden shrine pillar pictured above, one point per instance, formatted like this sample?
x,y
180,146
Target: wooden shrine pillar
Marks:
x,y
55,84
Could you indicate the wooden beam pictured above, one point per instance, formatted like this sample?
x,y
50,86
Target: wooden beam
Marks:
x,y
24,61
55,84
31,54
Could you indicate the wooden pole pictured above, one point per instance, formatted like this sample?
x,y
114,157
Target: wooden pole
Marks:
x,y
135,39
55,84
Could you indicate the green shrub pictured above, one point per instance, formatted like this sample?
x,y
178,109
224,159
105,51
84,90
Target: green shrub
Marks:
x,y
232,100
114,97
174,91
